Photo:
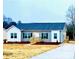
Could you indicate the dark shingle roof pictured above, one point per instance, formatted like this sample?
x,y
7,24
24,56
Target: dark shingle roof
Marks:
x,y
41,26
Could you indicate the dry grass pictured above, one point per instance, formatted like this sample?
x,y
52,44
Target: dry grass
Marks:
x,y
24,51
69,41
72,42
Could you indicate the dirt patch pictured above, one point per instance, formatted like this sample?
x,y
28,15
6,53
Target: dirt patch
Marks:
x,y
47,43
7,53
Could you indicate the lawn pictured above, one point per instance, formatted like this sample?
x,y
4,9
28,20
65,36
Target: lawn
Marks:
x,y
24,51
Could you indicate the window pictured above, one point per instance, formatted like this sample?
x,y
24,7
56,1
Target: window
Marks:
x,y
13,35
27,35
55,35
44,35
24,35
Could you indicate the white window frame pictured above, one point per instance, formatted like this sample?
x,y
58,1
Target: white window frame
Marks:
x,y
55,35
27,34
44,34
12,35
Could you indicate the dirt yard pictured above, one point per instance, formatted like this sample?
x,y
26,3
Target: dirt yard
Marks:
x,y
24,51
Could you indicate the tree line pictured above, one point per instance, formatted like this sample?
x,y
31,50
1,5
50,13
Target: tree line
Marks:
x,y
7,22
70,16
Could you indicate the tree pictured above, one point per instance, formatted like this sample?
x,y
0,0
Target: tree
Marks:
x,y
11,23
71,26
70,31
5,24
7,19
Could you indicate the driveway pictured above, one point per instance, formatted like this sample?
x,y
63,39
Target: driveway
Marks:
x,y
65,51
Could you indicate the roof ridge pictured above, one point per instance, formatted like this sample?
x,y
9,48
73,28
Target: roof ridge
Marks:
x,y
42,23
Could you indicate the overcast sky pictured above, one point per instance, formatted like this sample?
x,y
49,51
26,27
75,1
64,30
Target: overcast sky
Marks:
x,y
37,10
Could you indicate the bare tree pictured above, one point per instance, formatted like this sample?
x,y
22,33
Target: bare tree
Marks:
x,y
71,16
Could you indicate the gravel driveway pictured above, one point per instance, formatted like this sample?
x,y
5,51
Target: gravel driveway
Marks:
x,y
65,51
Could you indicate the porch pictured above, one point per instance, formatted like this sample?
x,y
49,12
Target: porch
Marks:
x,y
44,36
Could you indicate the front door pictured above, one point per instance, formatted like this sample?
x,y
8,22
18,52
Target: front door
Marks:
x,y
36,34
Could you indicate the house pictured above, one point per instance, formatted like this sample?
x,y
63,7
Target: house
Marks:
x,y
47,32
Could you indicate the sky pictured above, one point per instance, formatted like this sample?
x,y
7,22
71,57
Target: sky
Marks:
x,y
30,11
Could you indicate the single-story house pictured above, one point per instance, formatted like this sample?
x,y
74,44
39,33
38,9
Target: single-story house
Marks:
x,y
47,32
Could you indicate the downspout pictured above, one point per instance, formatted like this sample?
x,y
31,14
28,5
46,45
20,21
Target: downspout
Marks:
x,y
21,35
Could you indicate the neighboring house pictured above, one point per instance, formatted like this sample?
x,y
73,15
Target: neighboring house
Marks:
x,y
47,32
4,33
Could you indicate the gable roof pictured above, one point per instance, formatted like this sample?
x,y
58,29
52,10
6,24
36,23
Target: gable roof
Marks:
x,y
12,26
41,26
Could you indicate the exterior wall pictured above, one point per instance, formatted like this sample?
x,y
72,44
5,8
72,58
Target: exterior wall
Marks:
x,y
58,36
64,34
38,35
49,37
24,39
4,34
13,29
61,35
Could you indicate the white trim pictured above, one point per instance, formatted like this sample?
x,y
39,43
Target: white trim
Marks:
x,y
11,27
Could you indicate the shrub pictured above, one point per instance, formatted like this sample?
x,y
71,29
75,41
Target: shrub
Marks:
x,y
5,40
66,41
34,40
